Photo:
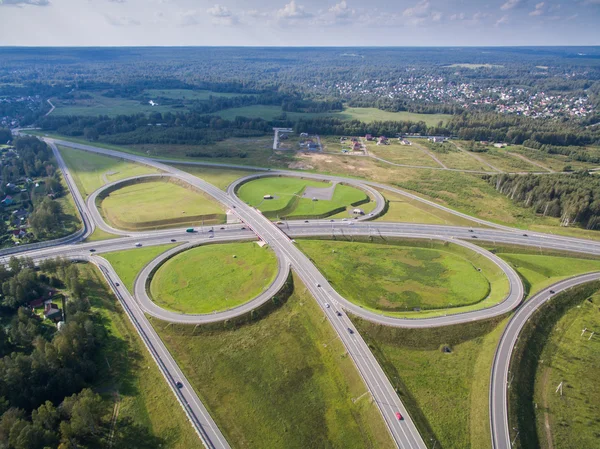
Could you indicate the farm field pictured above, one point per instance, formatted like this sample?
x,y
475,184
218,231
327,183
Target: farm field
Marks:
x,y
91,171
500,159
400,277
287,201
284,381
555,162
130,262
212,278
159,204
145,398
402,154
569,420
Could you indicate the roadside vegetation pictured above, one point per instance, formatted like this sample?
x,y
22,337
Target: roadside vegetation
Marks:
x,y
217,176
91,171
402,275
287,198
551,350
282,381
129,263
159,204
211,278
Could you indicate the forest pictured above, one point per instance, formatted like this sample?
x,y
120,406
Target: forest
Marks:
x,y
575,198
47,375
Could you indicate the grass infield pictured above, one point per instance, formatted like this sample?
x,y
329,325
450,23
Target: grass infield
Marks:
x,y
213,277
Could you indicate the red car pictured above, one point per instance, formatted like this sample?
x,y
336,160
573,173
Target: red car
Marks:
x,y
399,416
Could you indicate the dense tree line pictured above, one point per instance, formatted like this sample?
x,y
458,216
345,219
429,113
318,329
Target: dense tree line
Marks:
x,y
338,127
575,199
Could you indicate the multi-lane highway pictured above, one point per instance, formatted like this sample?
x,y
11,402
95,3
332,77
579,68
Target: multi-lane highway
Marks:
x,y
404,432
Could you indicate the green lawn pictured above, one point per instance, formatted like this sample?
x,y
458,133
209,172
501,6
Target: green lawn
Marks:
x,y
130,262
159,204
91,171
393,278
219,177
572,359
99,235
402,154
126,367
212,278
287,199
540,271
284,381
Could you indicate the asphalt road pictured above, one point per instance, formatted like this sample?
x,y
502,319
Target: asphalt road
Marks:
x,y
404,432
501,438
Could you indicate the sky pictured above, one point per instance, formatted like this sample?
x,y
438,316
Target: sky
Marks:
x,y
299,22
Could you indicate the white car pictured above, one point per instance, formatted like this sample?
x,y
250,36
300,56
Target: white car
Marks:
x,y
327,305
138,244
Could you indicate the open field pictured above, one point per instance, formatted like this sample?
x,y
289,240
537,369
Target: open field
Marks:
x,y
219,177
99,235
159,204
446,393
287,198
127,369
284,381
570,420
130,262
72,218
402,154
99,105
556,162
405,210
188,94
366,115
399,278
451,156
212,278
91,171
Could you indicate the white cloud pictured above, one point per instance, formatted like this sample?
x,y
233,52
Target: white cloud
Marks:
x,y
539,9
341,10
510,4
501,21
188,18
460,16
121,21
221,15
420,10
24,2
293,11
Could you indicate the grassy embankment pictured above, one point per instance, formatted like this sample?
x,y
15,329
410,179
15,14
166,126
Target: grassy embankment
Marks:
x,y
159,204
230,275
287,198
551,350
219,177
128,372
449,392
282,381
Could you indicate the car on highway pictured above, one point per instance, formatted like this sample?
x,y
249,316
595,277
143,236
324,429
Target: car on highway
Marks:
x,y
305,221
92,250
317,284
552,291
332,221
222,227
173,240
243,227
338,313
178,384
190,230
525,235
279,222
399,416
210,230
138,244
474,237
470,230
327,305
117,284
350,331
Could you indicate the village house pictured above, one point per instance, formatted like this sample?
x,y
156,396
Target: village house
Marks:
x,y
52,312
369,137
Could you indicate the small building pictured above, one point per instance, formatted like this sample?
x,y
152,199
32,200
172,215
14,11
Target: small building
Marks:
x,y
404,142
369,137
267,197
7,201
358,211
283,137
500,145
437,139
52,312
10,185
382,140
356,146
303,134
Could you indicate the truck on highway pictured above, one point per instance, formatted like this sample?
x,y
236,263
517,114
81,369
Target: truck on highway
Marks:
x,y
190,230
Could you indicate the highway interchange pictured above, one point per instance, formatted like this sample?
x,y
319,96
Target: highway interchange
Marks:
x,y
280,239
